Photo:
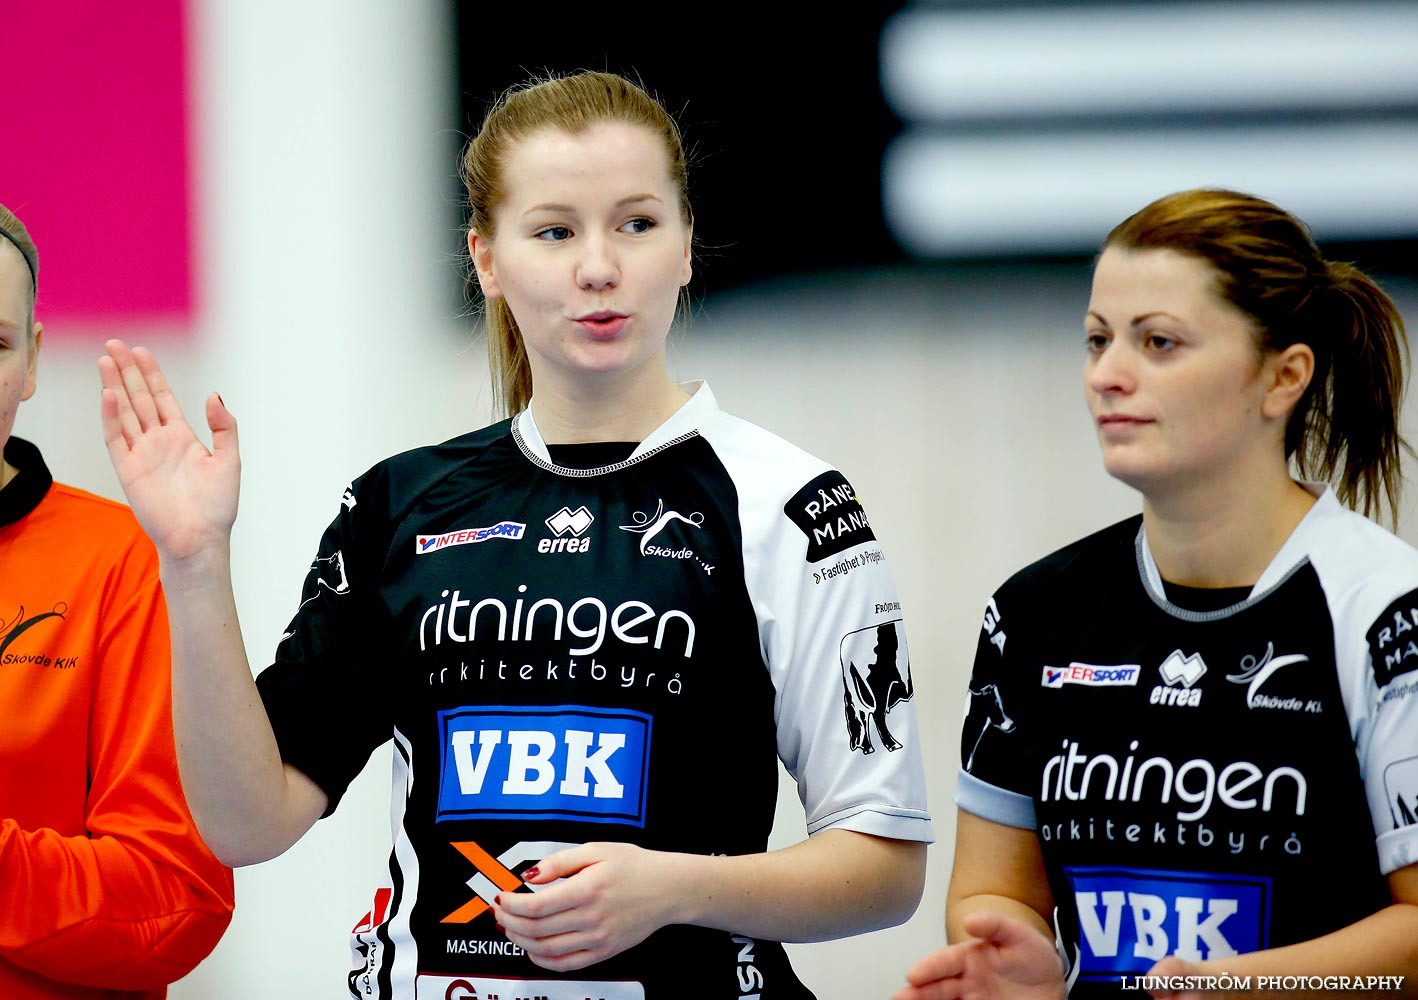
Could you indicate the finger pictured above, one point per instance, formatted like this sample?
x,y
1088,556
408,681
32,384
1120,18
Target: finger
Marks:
x,y
943,963
127,422
538,928
140,397
556,945
223,427
116,349
168,409
561,864
998,929
943,989
1166,969
569,962
113,438
108,367
555,899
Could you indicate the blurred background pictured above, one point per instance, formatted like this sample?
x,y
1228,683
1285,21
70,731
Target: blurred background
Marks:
x,y
896,205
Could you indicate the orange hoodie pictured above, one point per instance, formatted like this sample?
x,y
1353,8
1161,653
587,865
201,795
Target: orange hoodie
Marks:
x,y
106,889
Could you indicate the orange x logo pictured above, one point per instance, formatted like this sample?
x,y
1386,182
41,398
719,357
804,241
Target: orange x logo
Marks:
x,y
493,873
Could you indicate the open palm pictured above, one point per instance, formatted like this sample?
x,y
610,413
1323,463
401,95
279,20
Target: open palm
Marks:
x,y
183,494
1002,960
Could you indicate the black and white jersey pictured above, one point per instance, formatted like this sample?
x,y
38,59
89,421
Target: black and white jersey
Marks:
x,y
566,655
1203,783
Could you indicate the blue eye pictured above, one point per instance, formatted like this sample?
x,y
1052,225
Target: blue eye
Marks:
x,y
639,225
554,234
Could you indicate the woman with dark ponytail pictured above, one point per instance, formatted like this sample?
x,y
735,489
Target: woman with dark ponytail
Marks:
x,y
1191,754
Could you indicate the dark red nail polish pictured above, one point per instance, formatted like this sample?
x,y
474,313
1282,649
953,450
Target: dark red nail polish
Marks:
x,y
531,873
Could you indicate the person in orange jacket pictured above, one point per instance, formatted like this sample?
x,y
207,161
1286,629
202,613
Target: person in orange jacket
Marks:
x,y
106,888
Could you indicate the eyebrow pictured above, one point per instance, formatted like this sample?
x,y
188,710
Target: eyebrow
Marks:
x,y
1136,320
628,200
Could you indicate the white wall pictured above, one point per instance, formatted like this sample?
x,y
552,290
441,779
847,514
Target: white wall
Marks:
x,y
952,402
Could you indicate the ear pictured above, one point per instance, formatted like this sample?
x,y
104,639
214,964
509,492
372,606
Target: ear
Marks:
x,y
688,270
28,390
1289,371
480,249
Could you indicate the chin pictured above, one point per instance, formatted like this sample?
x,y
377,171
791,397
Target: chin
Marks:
x,y
1141,476
600,358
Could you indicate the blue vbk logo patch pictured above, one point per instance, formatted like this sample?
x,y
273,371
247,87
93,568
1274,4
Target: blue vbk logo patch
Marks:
x,y
556,762
1129,918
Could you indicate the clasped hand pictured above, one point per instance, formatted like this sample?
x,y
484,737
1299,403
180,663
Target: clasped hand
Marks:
x,y
610,898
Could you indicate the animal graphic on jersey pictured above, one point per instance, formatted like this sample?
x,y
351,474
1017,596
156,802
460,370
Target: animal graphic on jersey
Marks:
x,y
869,697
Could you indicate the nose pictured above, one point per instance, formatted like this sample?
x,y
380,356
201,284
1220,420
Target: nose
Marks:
x,y
1110,371
598,266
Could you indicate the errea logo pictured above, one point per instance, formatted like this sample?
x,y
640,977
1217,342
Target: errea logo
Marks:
x,y
568,526
510,530
1181,673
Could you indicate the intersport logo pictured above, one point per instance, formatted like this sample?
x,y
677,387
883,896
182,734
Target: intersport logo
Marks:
x,y
1092,675
509,530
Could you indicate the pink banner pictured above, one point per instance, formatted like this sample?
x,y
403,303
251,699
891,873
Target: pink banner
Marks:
x,y
94,127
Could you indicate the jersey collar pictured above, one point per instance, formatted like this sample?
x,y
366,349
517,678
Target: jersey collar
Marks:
x,y
1295,550
23,493
696,411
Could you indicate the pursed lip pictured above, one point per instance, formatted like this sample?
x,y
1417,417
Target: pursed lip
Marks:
x,y
603,324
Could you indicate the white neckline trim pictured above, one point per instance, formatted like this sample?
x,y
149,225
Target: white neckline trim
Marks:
x,y
1291,555
683,423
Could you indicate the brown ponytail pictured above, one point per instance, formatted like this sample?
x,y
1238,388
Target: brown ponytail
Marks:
x,y
570,103
1345,427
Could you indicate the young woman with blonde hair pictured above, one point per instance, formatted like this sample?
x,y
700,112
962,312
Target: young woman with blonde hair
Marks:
x,y
591,629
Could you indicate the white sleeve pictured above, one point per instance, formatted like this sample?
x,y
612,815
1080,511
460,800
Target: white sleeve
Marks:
x,y
831,633
1370,579
1387,739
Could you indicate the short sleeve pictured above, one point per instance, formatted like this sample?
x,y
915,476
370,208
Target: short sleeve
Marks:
x,y
993,782
321,693
834,639
1388,742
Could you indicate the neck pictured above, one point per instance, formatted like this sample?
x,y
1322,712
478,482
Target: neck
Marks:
x,y
612,411
7,473
1223,537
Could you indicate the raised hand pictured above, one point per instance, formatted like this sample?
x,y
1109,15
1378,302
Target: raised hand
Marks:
x,y
1004,959
612,897
183,495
